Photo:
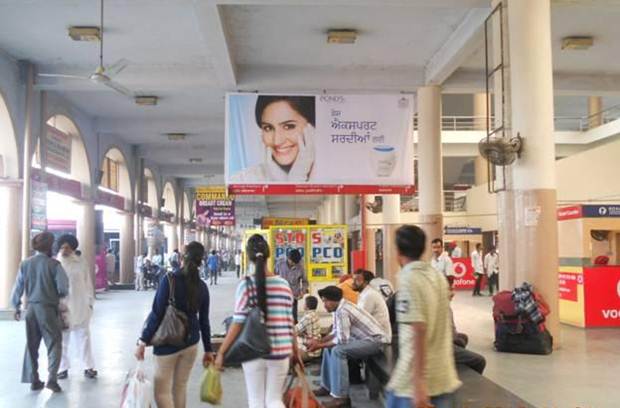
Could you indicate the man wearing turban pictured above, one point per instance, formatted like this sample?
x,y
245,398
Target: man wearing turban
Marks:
x,y
44,282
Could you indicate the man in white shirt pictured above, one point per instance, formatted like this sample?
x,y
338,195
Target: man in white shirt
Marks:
x,y
457,252
372,301
441,261
476,263
238,263
491,268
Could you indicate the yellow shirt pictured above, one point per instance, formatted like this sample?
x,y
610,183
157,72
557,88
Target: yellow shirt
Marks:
x,y
423,297
347,291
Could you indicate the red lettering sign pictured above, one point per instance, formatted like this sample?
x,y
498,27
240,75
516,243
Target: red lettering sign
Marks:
x,y
570,213
463,274
602,296
568,285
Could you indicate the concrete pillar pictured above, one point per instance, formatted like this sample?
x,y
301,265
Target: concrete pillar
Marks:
x,y
27,155
327,210
173,239
536,240
338,205
480,111
10,240
320,214
430,177
391,222
349,207
127,249
85,231
480,171
595,106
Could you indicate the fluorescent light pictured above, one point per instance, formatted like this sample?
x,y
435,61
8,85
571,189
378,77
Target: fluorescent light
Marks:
x,y
146,100
176,137
83,33
577,43
195,160
341,36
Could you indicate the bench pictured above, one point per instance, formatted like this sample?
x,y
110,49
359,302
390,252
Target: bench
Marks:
x,y
477,390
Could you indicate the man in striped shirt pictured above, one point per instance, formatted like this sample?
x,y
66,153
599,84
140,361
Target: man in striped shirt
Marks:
x,y
356,335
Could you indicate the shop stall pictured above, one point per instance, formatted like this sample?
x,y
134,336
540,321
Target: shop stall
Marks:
x,y
465,239
589,275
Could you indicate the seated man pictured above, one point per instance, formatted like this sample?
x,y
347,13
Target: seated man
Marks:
x,y
463,356
372,301
308,329
356,335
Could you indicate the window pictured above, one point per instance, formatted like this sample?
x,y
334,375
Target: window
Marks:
x,y
110,174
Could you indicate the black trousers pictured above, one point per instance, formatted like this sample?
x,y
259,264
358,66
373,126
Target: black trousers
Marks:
x,y
478,283
295,310
493,282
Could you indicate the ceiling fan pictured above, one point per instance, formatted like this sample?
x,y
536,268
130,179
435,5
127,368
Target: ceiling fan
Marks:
x,y
101,75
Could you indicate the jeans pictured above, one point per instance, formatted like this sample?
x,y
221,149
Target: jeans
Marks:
x,y
264,380
172,372
439,401
335,366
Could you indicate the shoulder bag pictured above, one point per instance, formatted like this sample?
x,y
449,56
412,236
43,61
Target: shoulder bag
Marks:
x,y
174,326
253,341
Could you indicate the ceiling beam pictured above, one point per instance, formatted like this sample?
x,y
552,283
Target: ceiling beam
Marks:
x,y
462,44
160,125
190,170
213,29
564,83
377,3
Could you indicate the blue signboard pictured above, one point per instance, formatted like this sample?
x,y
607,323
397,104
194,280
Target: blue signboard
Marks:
x,y
462,231
601,211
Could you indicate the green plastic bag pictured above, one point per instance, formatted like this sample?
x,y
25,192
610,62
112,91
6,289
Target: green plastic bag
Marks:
x,y
211,386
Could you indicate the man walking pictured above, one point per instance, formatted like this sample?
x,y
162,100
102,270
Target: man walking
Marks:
x,y
44,282
356,335
476,263
425,373
491,267
292,270
213,266
238,263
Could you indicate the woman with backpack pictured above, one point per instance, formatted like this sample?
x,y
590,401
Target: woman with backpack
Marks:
x,y
173,364
264,377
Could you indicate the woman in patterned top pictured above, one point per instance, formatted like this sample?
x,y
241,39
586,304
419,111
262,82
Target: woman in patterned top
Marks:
x,y
264,377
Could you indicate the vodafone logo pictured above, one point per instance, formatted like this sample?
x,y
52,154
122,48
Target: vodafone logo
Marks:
x,y
460,270
618,288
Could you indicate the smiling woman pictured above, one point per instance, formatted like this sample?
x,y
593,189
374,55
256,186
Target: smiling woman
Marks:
x,y
286,126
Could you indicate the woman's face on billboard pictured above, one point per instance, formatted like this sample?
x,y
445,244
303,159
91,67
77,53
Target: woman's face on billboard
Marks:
x,y
282,129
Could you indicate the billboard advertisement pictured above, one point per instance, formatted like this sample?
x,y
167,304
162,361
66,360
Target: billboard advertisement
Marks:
x,y
58,150
214,207
319,144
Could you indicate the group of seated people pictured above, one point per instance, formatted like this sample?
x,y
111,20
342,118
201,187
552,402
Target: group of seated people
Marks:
x,y
360,330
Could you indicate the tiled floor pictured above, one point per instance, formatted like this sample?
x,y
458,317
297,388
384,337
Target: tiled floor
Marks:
x,y
581,374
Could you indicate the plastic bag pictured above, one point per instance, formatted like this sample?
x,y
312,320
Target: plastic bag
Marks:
x,y
138,390
211,386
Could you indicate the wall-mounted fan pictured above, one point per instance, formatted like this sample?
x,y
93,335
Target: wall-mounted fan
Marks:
x,y
501,151
101,75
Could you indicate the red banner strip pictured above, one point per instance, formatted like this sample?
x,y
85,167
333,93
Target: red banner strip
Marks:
x,y
315,189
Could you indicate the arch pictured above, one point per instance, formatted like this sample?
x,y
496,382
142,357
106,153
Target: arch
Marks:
x,y
9,165
80,162
169,197
124,180
152,192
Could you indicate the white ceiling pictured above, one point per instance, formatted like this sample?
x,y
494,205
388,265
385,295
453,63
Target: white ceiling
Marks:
x,y
190,52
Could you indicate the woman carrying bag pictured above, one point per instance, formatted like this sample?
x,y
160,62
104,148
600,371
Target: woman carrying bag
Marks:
x,y
183,292
265,374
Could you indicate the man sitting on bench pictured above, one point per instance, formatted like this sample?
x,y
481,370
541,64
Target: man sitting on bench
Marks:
x,y
356,335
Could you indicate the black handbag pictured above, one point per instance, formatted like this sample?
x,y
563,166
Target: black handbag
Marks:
x,y
174,326
253,341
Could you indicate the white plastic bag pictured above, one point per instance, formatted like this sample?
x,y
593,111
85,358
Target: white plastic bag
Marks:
x,y
138,390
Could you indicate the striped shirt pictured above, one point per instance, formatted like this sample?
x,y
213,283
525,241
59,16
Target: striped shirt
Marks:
x,y
309,329
351,322
280,322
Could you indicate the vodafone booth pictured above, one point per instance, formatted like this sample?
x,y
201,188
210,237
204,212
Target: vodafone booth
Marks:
x,y
589,276
466,239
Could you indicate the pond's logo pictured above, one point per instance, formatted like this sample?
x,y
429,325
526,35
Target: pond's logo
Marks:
x,y
602,211
332,98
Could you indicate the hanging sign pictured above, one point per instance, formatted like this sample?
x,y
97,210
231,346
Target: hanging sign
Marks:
x,y
315,144
267,222
214,207
285,239
58,150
